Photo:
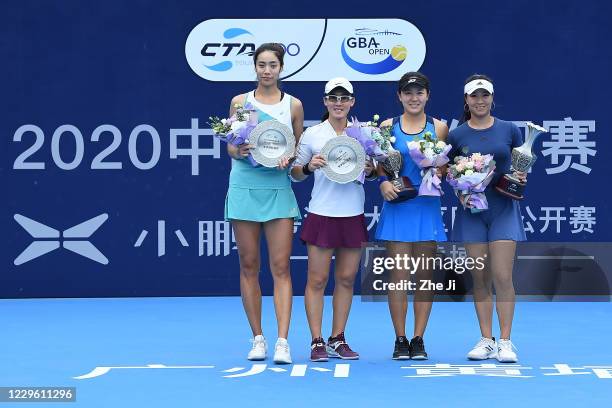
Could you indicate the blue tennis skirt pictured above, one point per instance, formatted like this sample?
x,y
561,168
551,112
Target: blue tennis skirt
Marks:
x,y
415,220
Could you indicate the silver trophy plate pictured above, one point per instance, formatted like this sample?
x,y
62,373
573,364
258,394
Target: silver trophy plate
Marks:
x,y
345,159
272,141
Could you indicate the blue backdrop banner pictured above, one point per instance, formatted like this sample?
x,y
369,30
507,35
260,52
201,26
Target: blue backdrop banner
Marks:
x,y
113,184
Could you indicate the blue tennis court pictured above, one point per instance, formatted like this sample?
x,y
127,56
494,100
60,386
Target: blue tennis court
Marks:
x,y
191,352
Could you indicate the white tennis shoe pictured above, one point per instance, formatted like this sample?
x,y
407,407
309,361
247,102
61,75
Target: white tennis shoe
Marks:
x,y
259,350
282,353
505,352
484,349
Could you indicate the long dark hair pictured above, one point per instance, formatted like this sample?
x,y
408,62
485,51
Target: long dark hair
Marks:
x,y
466,110
278,51
276,48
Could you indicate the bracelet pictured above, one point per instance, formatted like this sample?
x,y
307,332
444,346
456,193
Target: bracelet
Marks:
x,y
306,170
382,179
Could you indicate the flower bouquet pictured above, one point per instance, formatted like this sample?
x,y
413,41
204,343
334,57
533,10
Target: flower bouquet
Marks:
x,y
469,176
235,130
429,154
368,134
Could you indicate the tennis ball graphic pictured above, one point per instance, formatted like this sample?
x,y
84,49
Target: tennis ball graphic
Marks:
x,y
399,52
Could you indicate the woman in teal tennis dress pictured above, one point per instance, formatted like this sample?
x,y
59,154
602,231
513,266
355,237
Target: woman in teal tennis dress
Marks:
x,y
261,199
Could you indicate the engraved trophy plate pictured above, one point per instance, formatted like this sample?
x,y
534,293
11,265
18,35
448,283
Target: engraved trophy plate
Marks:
x,y
272,141
345,159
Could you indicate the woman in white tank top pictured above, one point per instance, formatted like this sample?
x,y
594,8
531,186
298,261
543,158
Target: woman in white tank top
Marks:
x,y
261,199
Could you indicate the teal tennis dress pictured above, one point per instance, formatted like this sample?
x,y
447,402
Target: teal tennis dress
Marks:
x,y
260,193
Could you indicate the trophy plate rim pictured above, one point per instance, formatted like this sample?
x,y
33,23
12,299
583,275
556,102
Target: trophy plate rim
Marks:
x,y
267,126
360,157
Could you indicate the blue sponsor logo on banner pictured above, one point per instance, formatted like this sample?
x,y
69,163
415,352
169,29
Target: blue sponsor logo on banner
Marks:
x,y
366,42
226,49
235,49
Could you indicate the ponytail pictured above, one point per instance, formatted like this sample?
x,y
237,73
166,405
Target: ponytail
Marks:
x,y
466,115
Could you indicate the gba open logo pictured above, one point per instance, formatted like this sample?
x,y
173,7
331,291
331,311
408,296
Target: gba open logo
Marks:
x,y
315,49
368,46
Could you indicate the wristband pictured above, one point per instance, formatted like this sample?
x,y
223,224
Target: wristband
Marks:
x,y
382,179
306,170
373,176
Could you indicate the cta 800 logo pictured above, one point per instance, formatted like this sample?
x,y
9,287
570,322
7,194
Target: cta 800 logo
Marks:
x,y
359,49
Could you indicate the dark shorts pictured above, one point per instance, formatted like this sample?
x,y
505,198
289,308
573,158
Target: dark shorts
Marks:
x,y
502,221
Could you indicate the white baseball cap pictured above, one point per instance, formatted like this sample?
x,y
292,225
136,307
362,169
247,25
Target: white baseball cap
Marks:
x,y
472,86
338,83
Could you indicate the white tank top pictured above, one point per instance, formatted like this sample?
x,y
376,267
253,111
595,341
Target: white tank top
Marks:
x,y
280,111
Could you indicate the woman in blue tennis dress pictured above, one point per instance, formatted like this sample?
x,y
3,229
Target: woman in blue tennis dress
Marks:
x,y
491,234
414,226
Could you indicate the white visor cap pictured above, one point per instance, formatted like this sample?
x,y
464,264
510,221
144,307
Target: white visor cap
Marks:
x,y
338,83
471,86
